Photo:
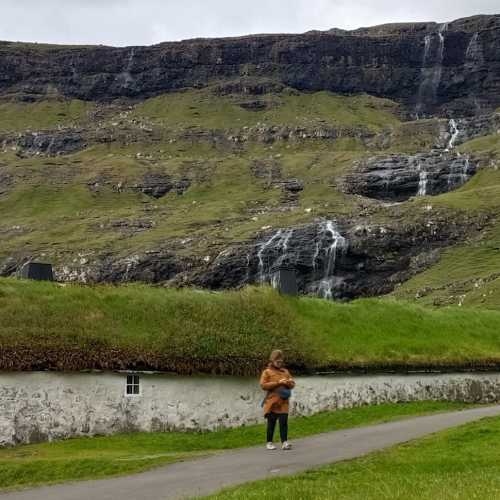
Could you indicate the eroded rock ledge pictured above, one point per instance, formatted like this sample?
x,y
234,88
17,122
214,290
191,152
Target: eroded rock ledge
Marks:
x,y
399,177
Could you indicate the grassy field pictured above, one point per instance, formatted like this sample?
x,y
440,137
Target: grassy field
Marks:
x,y
46,325
17,116
204,109
459,464
85,458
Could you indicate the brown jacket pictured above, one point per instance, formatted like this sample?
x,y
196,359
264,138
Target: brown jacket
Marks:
x,y
269,381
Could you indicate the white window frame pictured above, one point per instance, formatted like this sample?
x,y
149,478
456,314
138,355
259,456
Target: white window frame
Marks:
x,y
135,382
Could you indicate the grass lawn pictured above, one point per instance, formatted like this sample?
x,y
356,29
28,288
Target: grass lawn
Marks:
x,y
70,327
98,457
458,464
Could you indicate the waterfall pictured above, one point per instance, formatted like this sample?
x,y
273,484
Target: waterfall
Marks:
x,y
472,48
284,247
126,75
459,173
474,55
431,74
422,181
273,252
465,171
438,71
442,29
336,246
424,77
454,132
459,167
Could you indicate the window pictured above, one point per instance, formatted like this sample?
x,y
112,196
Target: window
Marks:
x,y
133,387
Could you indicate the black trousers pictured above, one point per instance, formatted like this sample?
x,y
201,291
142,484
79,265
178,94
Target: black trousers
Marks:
x,y
272,418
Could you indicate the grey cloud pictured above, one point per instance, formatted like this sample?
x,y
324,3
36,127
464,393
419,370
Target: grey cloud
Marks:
x,y
142,22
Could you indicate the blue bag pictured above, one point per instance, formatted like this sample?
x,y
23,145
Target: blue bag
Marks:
x,y
284,393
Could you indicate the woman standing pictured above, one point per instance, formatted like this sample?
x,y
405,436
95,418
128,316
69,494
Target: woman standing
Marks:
x,y
278,383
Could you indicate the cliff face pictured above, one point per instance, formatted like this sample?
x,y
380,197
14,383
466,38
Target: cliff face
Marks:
x,y
452,68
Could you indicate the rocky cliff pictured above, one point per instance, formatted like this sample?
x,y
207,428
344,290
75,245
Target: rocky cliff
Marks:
x,y
448,68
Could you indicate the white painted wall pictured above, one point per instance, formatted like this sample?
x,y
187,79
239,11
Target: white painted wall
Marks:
x,y
39,406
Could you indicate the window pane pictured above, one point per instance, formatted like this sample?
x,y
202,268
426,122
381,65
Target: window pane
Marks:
x,y
133,387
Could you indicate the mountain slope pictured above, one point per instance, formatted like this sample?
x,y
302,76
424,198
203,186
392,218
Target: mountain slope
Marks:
x,y
257,164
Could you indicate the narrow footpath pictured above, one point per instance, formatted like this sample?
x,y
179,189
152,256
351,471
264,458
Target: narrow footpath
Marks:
x,y
229,468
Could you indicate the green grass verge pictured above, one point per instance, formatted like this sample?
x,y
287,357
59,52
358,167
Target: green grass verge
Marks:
x,y
92,458
71,327
458,464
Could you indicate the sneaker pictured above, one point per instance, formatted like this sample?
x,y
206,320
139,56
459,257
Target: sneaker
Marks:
x,y
270,446
286,446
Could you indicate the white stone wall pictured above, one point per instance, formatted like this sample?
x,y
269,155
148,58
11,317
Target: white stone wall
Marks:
x,y
41,406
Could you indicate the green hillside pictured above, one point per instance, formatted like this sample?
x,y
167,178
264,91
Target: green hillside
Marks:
x,y
49,207
73,207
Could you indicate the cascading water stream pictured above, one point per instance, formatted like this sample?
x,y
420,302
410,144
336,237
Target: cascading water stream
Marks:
x,y
272,253
438,70
336,246
465,171
431,74
472,48
460,166
454,132
422,181
423,78
126,75
281,248
459,174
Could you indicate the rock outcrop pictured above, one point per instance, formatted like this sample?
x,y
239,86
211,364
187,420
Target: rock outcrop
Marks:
x,y
399,177
158,185
49,143
338,259
147,267
453,67
6,181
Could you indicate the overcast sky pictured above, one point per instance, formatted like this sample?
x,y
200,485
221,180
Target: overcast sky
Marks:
x,y
144,22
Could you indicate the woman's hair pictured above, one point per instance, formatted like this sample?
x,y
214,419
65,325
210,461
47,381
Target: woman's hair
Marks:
x,y
277,354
